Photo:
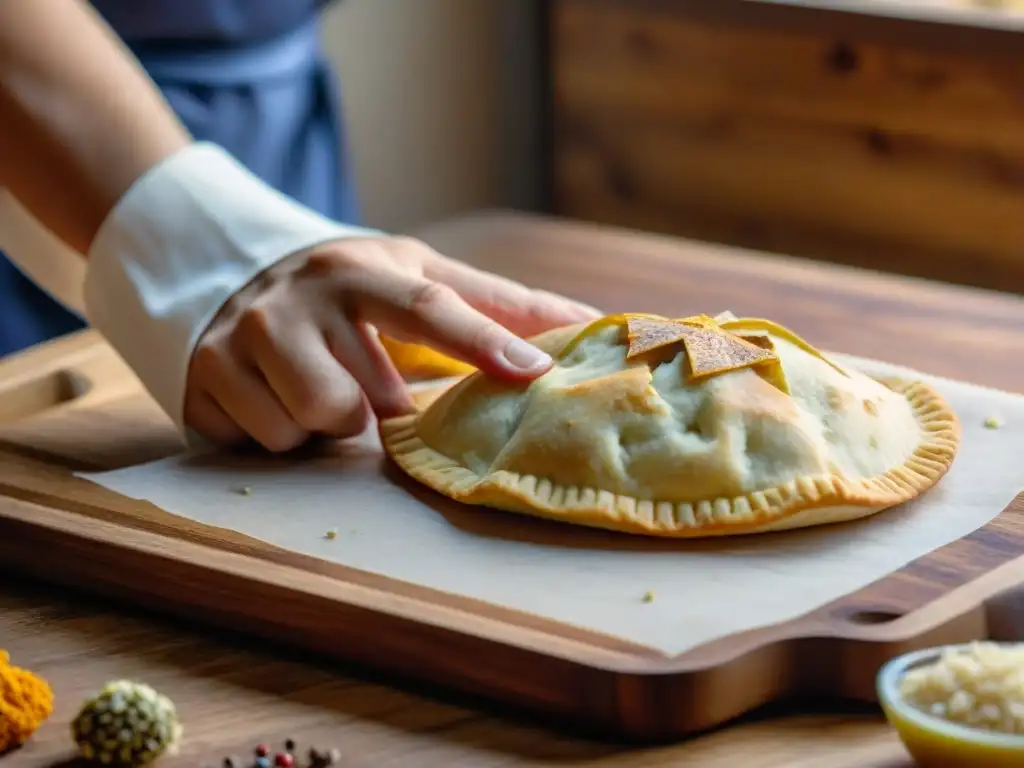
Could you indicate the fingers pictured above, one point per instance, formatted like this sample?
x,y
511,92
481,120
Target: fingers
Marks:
x,y
245,397
301,359
208,419
522,310
312,386
360,351
282,379
413,307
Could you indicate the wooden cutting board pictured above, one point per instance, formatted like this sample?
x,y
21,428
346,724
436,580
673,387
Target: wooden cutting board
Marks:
x,y
72,405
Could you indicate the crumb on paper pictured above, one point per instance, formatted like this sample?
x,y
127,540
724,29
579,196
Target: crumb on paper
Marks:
x,y
993,422
332,534
245,490
648,596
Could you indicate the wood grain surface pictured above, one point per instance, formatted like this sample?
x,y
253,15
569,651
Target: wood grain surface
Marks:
x,y
603,267
868,138
93,536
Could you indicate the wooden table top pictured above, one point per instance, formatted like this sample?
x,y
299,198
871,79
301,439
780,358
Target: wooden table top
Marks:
x,y
234,692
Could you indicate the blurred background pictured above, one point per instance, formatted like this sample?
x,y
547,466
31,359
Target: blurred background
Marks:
x,y
883,133
443,104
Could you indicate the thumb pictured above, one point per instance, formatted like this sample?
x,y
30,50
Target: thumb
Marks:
x,y
414,308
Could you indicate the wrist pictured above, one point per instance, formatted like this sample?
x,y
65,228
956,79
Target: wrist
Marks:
x,y
186,237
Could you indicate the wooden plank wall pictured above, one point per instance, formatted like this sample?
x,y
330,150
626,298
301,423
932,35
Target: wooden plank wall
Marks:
x,y
878,142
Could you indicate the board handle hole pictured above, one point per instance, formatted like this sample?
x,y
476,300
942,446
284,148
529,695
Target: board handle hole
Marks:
x,y
34,396
872,616
843,59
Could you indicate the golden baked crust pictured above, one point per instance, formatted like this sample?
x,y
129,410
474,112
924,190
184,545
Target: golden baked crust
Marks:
x,y
645,441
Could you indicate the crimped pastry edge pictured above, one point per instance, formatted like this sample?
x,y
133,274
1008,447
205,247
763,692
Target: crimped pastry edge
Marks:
x,y
803,502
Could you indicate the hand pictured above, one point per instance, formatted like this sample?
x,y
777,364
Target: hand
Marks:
x,y
295,353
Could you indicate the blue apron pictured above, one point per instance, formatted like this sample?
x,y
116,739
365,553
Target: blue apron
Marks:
x,y
246,74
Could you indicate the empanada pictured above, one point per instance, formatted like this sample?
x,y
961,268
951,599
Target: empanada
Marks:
x,y
686,428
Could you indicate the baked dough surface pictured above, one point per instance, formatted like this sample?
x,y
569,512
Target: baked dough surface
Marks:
x,y
635,443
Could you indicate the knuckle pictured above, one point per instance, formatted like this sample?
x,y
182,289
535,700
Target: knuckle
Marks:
x,y
428,297
488,336
312,412
255,324
325,262
207,363
318,411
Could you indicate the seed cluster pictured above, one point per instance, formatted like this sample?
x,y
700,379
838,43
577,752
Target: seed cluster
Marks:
x,y
126,724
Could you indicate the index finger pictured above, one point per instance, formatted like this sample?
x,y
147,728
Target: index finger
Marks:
x,y
413,307
526,311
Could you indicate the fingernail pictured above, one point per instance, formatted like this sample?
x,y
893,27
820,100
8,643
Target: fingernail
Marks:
x,y
526,356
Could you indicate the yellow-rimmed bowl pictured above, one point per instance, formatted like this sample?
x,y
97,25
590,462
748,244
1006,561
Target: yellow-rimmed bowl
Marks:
x,y
932,741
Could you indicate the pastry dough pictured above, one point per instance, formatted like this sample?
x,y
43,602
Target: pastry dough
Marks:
x,y
647,441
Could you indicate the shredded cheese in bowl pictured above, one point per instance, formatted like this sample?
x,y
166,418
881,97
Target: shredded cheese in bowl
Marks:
x,y
979,686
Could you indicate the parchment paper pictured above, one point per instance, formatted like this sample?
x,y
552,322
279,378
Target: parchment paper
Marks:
x,y
702,590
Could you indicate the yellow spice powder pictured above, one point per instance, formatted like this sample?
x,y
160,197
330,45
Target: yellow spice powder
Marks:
x,y
26,701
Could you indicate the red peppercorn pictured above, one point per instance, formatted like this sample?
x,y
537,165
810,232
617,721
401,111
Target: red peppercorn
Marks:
x,y
262,750
284,760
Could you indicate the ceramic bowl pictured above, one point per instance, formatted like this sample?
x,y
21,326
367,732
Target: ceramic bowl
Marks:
x,y
932,741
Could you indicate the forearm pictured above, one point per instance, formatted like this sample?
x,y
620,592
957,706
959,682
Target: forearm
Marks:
x,y
80,121
172,228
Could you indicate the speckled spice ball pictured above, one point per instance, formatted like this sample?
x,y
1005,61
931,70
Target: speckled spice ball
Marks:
x,y
126,724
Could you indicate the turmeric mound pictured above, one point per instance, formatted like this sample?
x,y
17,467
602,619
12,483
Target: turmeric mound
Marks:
x,y
26,701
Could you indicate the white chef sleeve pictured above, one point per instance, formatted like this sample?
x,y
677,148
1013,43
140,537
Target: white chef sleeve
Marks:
x,y
186,236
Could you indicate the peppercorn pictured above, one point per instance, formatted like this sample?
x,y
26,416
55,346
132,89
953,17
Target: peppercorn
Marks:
x,y
289,745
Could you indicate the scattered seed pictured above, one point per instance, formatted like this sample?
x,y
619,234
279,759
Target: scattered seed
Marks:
x,y
993,422
245,490
648,596
332,534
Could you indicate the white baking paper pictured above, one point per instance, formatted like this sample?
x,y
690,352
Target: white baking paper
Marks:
x,y
702,590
